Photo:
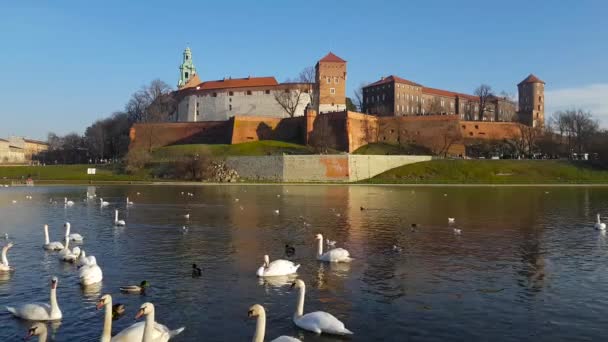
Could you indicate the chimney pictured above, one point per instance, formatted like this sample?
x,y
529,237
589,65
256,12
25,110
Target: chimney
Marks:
x,y
382,78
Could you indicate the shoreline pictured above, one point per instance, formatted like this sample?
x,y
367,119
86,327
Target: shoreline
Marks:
x,y
188,183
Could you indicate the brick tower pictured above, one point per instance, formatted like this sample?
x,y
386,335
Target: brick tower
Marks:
x,y
532,101
330,84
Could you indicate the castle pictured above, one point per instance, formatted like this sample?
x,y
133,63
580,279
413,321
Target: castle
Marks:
x,y
395,110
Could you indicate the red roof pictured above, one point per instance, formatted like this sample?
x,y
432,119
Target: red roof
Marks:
x,y
330,57
238,83
532,79
391,79
441,92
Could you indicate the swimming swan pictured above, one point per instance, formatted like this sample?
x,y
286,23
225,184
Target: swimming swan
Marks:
x,y
155,332
37,329
75,237
50,246
599,225
90,273
333,255
117,222
318,321
40,311
278,267
260,327
4,266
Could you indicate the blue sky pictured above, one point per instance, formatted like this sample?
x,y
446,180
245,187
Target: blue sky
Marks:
x,y
64,64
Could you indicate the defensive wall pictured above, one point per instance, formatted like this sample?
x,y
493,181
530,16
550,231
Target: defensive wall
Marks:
x,y
317,168
343,131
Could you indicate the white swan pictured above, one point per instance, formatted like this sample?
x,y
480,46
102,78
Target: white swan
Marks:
x,y
40,311
599,225
117,222
278,267
318,321
155,332
67,203
90,273
129,202
135,332
50,246
37,329
71,256
4,266
103,203
260,327
451,219
83,259
333,255
75,237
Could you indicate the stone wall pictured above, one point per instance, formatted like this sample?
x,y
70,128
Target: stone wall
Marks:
x,y
317,168
248,128
475,130
149,136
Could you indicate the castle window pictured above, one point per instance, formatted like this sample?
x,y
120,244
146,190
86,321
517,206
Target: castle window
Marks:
x,y
336,79
230,93
287,91
214,94
186,74
332,90
267,91
328,80
248,92
229,107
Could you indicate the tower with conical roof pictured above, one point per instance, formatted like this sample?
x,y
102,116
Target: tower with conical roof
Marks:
x,y
187,70
532,101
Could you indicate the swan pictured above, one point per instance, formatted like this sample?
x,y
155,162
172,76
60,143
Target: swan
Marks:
x,y
333,255
278,267
187,216
4,266
277,212
135,332
90,273
75,237
40,311
260,327
103,203
72,256
318,321
117,222
599,225
330,243
50,246
140,289
67,203
129,202
153,331
451,219
457,231
290,250
37,329
66,249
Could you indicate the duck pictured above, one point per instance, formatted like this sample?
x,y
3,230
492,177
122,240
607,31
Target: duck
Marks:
x,y
117,222
74,237
318,321
451,219
599,225
50,246
260,328
457,231
118,310
276,268
333,255
153,331
397,249
90,273
103,203
4,266
290,251
140,289
41,312
67,203
37,329
196,271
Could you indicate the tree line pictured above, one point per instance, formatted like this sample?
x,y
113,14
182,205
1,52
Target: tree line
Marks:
x,y
107,140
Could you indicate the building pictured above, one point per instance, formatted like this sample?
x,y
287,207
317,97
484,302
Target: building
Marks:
x,y
330,84
532,101
219,100
396,96
18,150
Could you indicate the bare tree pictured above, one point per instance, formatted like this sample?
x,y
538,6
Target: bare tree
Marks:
x,y
436,107
359,97
484,93
290,98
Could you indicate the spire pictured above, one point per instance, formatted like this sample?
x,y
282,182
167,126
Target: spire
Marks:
x,y
187,70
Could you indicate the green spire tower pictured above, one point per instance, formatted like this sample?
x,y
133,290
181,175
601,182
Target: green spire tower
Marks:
x,y
187,69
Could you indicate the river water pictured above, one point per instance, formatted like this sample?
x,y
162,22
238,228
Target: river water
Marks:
x,y
528,264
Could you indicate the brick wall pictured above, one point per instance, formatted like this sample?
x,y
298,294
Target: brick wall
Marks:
x,y
247,128
148,136
474,130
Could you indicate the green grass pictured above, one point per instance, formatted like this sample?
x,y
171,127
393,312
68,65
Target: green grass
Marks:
x,y
493,172
65,172
254,148
389,149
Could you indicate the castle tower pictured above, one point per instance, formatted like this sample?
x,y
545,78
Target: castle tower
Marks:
x,y
187,70
330,84
532,101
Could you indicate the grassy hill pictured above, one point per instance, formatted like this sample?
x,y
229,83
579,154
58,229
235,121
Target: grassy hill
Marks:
x,y
65,172
492,172
389,149
254,148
